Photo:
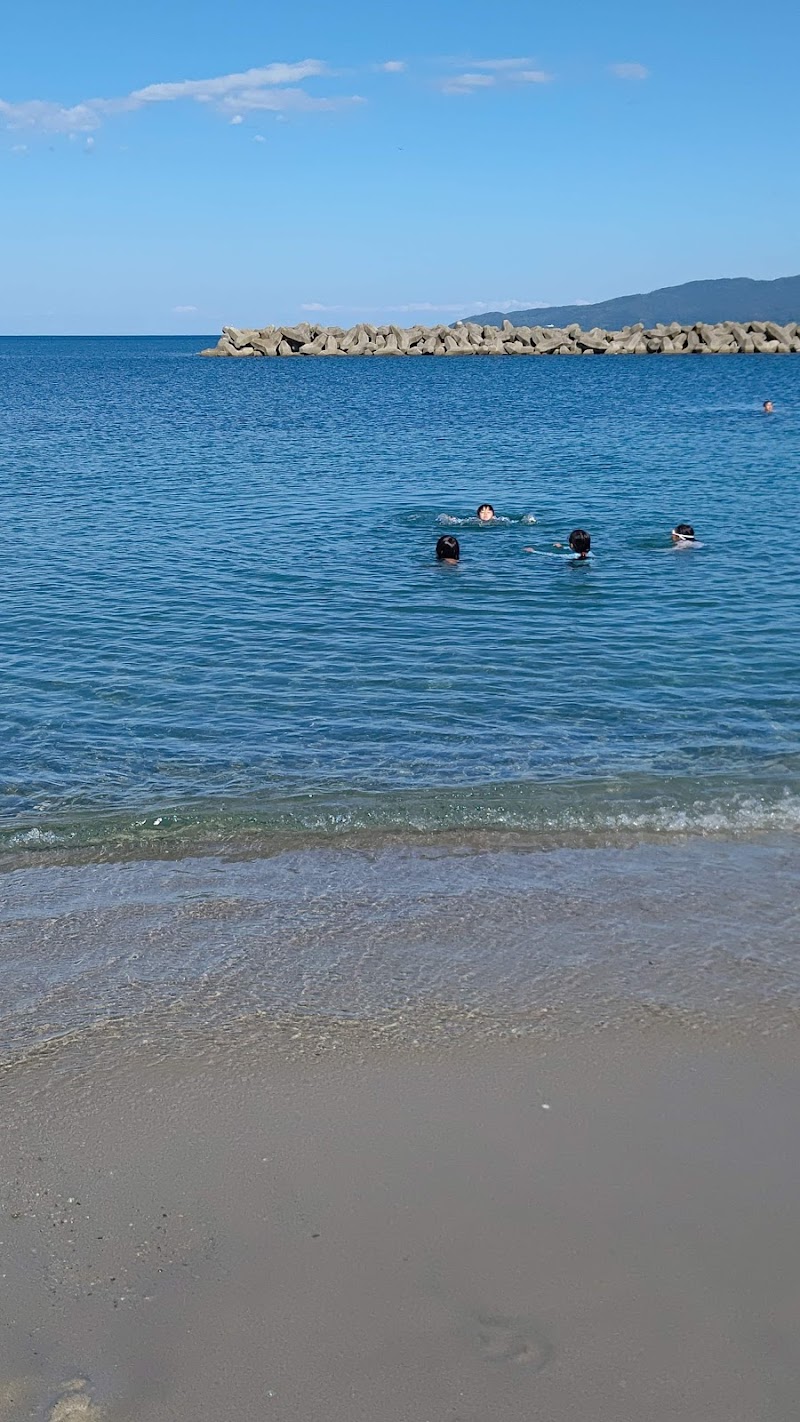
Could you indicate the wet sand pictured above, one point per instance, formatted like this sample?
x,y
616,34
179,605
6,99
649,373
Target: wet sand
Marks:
x,y
300,1223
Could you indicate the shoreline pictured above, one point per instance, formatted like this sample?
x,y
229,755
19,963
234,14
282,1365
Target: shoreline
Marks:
x,y
599,1227
32,850
615,810
521,938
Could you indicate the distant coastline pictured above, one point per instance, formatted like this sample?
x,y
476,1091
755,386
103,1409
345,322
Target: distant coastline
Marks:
x,y
720,299
469,338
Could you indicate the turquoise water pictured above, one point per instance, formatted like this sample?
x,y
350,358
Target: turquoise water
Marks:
x,y
220,612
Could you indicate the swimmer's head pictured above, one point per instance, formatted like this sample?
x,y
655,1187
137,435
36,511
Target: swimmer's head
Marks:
x,y
683,533
485,513
447,549
768,407
580,542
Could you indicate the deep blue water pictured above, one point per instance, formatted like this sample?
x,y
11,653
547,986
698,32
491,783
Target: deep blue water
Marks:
x,y
219,604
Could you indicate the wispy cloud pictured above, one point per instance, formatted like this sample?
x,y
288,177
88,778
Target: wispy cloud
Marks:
x,y
283,101
467,83
500,64
50,117
271,87
183,310
492,73
506,303
452,308
393,66
206,90
384,306
630,71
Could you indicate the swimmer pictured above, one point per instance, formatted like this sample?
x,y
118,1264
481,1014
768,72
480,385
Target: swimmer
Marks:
x,y
485,513
683,535
767,407
579,542
447,549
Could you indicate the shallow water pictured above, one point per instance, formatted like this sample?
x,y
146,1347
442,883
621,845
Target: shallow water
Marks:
x,y
524,939
220,610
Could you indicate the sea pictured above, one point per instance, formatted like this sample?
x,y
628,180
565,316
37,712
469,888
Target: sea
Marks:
x,y
261,754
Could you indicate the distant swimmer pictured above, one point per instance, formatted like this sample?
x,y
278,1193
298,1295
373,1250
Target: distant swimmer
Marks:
x,y
683,536
579,542
767,407
485,513
447,549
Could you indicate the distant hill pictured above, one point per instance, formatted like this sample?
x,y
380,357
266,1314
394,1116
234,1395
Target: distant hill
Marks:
x,y
726,299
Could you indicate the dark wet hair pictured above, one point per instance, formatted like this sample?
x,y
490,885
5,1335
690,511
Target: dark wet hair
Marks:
x,y
685,530
579,541
484,506
447,547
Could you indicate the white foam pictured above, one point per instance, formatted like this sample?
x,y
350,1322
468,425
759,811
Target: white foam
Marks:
x,y
34,837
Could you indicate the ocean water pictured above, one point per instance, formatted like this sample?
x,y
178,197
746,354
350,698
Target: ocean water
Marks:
x,y
223,633
220,610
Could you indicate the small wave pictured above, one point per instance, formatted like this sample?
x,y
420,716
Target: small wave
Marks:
x,y
32,838
470,521
748,816
555,814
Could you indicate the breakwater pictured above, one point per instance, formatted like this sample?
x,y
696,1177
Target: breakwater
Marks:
x,y
470,338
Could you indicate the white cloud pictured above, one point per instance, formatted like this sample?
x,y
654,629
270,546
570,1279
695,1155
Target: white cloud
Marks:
x,y
630,71
237,118
88,146
450,308
19,148
467,83
500,64
49,117
272,87
285,101
393,66
204,91
183,310
378,308
489,73
506,303
259,138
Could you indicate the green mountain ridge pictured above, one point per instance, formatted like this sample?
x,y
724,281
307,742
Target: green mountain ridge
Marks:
x,y
723,299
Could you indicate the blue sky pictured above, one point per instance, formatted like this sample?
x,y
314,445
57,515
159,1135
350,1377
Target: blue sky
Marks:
x,y
178,165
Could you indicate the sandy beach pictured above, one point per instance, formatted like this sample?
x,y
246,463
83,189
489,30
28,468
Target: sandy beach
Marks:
x,y
310,1221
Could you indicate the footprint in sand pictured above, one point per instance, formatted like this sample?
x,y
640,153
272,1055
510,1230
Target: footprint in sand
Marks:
x,y
23,1397
75,1405
512,1340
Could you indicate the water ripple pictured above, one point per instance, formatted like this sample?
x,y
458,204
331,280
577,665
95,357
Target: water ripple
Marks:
x,y
218,583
